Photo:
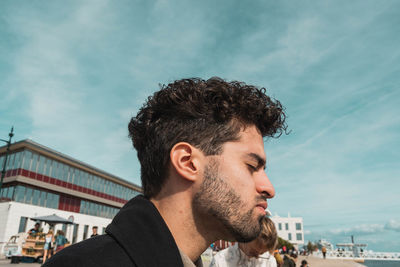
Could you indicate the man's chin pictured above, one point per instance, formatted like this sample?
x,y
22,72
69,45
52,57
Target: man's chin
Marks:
x,y
248,234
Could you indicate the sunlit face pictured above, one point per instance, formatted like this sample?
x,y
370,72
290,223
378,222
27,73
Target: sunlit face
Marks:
x,y
235,188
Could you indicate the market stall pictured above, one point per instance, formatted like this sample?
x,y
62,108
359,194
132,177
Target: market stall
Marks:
x,y
35,242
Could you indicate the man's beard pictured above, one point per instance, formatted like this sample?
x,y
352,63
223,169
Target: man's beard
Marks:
x,y
217,199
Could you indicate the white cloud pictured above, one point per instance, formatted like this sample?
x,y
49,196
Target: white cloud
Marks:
x,y
360,229
393,225
367,229
60,97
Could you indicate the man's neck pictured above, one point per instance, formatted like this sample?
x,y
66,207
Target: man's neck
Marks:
x,y
176,211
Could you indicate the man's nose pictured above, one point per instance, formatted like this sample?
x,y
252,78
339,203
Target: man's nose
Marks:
x,y
264,185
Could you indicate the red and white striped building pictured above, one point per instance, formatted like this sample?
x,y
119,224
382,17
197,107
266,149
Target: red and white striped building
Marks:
x,y
40,181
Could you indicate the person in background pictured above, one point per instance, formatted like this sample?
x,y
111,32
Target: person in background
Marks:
x,y
324,252
35,229
94,231
49,239
257,253
60,241
278,258
290,261
304,263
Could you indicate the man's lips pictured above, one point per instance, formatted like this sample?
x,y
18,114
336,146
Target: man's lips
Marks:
x,y
262,205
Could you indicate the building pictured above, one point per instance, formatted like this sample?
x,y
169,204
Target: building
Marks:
x,y
40,181
290,229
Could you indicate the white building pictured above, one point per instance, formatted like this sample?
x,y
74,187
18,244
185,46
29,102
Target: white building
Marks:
x,y
40,181
290,229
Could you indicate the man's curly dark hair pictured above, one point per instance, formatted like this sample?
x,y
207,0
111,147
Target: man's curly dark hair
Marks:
x,y
204,113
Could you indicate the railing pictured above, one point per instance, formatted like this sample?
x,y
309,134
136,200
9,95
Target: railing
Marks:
x,y
364,255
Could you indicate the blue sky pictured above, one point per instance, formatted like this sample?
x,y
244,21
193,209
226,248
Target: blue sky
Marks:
x,y
72,74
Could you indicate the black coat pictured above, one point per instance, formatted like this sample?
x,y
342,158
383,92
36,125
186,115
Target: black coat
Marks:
x,y
137,236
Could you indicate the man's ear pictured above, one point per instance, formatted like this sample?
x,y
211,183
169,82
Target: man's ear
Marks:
x,y
187,160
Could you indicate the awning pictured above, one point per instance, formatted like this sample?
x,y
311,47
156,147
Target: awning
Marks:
x,y
52,219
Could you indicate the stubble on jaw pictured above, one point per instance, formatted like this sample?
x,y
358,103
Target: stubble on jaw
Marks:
x,y
217,199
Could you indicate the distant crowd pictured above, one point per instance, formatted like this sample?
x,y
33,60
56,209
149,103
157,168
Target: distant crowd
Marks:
x,y
261,252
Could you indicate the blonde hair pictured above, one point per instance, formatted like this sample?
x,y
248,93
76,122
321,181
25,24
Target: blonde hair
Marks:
x,y
268,236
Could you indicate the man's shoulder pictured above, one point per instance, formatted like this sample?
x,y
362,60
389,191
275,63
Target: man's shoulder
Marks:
x,y
97,251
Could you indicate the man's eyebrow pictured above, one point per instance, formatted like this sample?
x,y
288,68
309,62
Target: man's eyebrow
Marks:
x,y
260,161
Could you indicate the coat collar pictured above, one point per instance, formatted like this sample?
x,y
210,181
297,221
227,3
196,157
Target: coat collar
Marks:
x,y
142,233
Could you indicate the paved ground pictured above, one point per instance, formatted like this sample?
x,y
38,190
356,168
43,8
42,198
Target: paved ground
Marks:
x,y
7,263
318,262
312,262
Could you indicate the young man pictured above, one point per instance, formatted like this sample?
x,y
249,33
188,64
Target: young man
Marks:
x,y
94,231
35,229
200,146
257,253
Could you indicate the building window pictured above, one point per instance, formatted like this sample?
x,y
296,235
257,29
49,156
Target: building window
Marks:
x,y
56,200
19,193
34,162
280,226
36,195
18,160
68,178
61,172
45,167
299,236
83,207
52,200
71,178
64,176
64,229
55,169
42,200
80,178
10,161
289,236
90,182
85,231
4,192
286,226
96,184
10,193
85,179
27,160
49,168
22,224
41,165
28,195
75,233
298,226
77,178
108,212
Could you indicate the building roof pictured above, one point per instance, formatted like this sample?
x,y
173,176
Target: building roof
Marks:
x,y
28,143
